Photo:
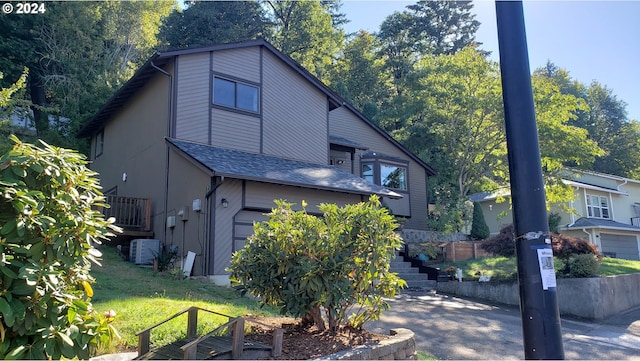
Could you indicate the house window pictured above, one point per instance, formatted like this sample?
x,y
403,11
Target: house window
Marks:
x,y
598,207
385,174
234,94
392,176
99,143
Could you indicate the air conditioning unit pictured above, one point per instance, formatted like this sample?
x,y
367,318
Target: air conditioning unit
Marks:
x,y
143,251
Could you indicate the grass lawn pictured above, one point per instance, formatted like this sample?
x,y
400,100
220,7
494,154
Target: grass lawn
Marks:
x,y
141,298
504,268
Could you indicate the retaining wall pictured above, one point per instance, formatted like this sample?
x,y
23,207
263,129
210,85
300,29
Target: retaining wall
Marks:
x,y
400,346
591,298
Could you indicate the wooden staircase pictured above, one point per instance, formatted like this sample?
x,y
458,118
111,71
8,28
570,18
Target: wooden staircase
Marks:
x,y
213,345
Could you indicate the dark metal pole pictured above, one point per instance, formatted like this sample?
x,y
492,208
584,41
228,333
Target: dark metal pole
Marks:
x,y
536,278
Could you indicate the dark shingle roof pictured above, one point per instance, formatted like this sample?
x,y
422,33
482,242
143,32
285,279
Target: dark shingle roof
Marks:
x,y
270,169
601,223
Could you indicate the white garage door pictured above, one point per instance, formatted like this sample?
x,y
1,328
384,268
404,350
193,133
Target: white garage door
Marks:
x,y
243,226
620,246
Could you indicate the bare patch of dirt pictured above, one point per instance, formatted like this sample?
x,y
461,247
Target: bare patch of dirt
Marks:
x,y
303,343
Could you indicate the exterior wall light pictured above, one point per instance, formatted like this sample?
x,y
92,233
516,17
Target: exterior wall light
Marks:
x,y
224,203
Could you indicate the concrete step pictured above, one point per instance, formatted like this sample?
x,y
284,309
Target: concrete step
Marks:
x,y
412,275
423,284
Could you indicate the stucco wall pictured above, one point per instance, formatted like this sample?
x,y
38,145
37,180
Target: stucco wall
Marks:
x,y
592,298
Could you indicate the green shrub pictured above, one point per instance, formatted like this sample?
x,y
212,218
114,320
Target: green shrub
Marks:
x,y
49,225
581,266
479,228
554,222
301,263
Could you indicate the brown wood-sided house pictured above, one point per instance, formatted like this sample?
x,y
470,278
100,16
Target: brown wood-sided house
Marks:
x,y
210,136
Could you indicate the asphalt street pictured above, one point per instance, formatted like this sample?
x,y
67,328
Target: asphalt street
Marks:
x,y
452,328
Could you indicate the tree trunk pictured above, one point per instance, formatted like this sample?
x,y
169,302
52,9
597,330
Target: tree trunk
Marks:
x,y
314,316
38,98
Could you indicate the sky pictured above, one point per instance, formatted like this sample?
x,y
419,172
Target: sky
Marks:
x,y
593,40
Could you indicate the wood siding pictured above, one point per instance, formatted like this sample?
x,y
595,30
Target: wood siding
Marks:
x,y
186,183
241,63
294,114
343,123
193,97
134,144
235,130
261,196
231,190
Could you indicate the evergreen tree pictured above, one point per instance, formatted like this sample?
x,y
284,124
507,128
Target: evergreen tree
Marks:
x,y
213,22
479,228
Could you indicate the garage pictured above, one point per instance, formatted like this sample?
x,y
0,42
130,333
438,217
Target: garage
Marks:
x,y
619,246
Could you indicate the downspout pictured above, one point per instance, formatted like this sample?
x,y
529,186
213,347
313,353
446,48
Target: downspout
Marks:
x,y
210,224
166,168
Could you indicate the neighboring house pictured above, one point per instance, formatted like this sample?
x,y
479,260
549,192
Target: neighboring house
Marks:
x,y
199,142
607,212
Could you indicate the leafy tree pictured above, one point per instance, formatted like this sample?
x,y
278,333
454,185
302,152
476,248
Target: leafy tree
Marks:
x,y
340,261
49,227
455,122
398,46
442,26
305,31
359,75
451,211
479,228
607,125
605,119
78,53
214,22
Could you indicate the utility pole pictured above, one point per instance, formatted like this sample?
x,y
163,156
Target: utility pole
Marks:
x,y
536,276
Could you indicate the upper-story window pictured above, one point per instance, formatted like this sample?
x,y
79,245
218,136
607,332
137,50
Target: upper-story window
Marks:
x,y
386,174
99,143
598,207
234,94
392,176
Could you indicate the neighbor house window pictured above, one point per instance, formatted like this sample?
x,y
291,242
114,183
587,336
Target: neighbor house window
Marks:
x,y
385,174
230,93
598,207
99,143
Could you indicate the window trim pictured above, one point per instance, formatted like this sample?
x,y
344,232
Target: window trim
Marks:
x,y
591,208
377,163
236,81
99,143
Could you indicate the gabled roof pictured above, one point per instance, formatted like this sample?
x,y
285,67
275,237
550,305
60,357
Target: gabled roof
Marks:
x,y
602,224
270,169
160,59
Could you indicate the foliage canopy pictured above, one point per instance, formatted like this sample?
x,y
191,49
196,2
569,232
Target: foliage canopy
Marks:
x,y
301,263
49,227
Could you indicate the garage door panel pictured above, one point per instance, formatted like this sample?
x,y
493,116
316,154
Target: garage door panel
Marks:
x,y
243,226
622,246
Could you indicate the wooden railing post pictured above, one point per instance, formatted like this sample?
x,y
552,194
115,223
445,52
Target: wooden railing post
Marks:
x,y
276,343
192,322
143,342
237,343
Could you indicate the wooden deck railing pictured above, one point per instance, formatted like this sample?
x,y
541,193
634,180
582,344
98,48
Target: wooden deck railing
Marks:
x,y
130,213
235,327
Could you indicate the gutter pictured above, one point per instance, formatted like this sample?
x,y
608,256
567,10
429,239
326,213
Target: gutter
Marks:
x,y
166,168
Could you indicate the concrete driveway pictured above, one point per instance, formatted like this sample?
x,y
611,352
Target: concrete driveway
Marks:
x,y
453,328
